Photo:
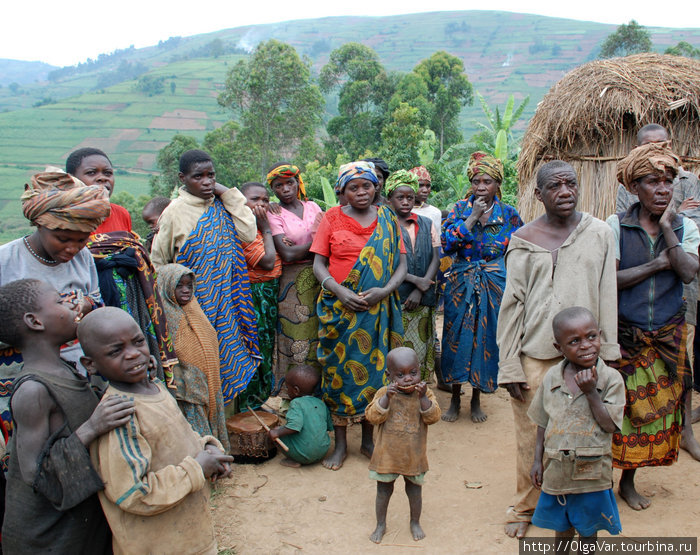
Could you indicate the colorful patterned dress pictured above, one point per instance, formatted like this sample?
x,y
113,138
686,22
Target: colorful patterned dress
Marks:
x,y
473,293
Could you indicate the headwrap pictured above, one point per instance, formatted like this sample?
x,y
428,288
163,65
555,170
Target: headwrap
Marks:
x,y
355,170
480,162
401,178
651,158
422,173
288,170
380,165
56,200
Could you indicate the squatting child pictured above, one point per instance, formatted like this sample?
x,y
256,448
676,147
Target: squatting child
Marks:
x,y
308,420
51,497
577,408
155,467
401,413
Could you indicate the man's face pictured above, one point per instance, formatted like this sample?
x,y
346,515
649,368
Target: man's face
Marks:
x,y
559,194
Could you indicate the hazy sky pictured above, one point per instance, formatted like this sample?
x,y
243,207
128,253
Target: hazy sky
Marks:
x,y
70,31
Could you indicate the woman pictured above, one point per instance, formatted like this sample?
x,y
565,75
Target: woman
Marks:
x,y
196,375
64,212
360,262
657,251
124,269
292,232
476,232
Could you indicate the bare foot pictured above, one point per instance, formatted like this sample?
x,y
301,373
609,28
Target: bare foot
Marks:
x,y
378,533
690,444
290,463
452,413
516,529
336,459
367,449
635,500
695,416
478,415
417,531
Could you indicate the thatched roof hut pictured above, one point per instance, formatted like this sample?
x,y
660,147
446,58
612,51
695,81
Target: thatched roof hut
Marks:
x,y
591,117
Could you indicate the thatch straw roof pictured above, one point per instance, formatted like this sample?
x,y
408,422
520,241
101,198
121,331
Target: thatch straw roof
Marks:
x,y
591,117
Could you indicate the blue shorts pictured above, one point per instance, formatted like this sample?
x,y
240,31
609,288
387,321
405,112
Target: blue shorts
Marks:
x,y
586,512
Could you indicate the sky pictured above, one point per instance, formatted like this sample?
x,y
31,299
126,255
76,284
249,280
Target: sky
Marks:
x,y
70,31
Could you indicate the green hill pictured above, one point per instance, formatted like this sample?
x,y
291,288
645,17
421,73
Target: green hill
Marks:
x,y
41,123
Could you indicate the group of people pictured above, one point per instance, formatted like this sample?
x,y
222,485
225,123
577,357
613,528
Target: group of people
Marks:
x,y
238,299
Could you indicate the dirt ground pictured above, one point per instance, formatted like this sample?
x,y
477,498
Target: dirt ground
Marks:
x,y
272,509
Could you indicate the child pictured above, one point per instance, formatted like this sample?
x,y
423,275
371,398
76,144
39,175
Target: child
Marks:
x,y
151,213
422,206
308,420
155,466
577,408
203,229
196,376
401,412
264,270
417,292
51,502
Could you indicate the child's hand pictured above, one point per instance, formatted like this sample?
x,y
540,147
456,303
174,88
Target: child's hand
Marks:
x,y
586,380
287,241
274,208
422,389
351,300
373,295
213,465
274,433
536,474
261,218
224,461
413,300
111,412
423,284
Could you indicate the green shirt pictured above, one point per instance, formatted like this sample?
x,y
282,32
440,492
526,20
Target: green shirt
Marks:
x,y
308,416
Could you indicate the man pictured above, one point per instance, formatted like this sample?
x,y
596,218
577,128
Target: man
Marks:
x,y
562,259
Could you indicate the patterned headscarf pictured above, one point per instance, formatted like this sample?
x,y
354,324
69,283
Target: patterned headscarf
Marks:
x,y
647,159
288,170
56,200
355,170
422,173
401,178
480,162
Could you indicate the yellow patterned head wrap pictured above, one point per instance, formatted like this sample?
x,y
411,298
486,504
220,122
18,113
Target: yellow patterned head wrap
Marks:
x,y
288,170
647,159
401,178
480,162
56,200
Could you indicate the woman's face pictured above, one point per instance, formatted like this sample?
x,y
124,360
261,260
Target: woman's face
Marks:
x,y
184,290
200,180
654,191
484,186
286,189
61,245
96,170
359,193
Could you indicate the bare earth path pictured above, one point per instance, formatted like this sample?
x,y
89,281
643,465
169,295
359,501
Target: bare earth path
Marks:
x,y
271,509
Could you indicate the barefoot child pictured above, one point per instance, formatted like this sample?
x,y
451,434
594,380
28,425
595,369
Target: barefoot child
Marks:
x,y
417,292
308,420
576,409
155,466
51,502
401,412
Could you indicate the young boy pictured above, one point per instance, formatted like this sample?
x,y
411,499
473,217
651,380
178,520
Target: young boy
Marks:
x,y
417,293
308,420
51,502
401,412
576,409
155,466
151,213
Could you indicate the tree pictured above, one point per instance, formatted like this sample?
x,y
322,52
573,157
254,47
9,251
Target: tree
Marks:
x,y
275,101
628,39
168,161
151,85
448,91
683,49
401,138
233,160
363,99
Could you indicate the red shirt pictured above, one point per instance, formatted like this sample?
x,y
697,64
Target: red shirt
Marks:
x,y
341,239
119,219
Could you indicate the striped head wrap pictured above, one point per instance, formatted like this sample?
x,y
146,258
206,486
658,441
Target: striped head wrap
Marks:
x,y
401,178
355,170
480,162
57,200
651,158
422,173
288,170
